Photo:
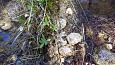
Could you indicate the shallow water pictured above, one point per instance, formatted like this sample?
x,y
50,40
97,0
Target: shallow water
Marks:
x,y
5,36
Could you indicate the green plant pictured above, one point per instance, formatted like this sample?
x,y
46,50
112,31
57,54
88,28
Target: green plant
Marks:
x,y
43,41
48,22
33,25
43,2
22,20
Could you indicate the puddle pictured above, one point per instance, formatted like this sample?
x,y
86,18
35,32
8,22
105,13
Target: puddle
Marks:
x,y
4,36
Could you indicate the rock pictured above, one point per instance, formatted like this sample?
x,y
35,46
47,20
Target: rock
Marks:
x,y
62,60
5,23
14,9
14,57
69,11
65,51
62,10
21,28
105,57
108,46
61,23
62,42
74,38
1,49
61,38
26,15
52,51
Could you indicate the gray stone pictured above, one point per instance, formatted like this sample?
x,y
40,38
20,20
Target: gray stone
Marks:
x,y
65,51
61,23
74,38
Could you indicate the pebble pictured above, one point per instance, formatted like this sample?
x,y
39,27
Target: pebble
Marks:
x,y
74,38
14,57
26,15
5,23
6,26
21,28
69,11
62,42
62,60
105,57
61,23
109,46
65,51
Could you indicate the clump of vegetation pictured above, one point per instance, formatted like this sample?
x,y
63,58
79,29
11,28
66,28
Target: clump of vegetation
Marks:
x,y
39,19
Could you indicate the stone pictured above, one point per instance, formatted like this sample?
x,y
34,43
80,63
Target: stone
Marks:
x,y
21,28
108,46
1,49
74,38
5,23
14,9
62,42
61,38
69,11
26,15
61,23
65,51
14,57
105,57
62,60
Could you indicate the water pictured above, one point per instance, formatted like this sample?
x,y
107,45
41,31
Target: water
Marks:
x,y
5,36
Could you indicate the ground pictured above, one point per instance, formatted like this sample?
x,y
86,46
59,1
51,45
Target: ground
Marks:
x,y
60,32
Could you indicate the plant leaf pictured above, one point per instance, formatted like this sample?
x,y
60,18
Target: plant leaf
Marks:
x,y
43,41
